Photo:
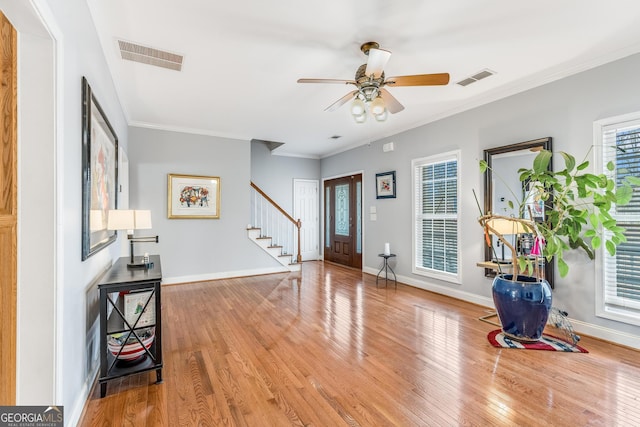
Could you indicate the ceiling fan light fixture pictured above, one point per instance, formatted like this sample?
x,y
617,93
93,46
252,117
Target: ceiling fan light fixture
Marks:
x,y
360,118
382,116
377,106
357,107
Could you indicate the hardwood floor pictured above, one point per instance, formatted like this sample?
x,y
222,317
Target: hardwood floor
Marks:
x,y
325,347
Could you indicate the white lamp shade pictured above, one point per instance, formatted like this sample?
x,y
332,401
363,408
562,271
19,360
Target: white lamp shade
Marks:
x,y
507,227
377,106
381,117
126,219
361,118
357,107
121,219
143,219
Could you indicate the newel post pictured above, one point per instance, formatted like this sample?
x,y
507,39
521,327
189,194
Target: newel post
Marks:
x,y
299,225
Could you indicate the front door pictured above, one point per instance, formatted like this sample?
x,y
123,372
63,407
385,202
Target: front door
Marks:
x,y
343,220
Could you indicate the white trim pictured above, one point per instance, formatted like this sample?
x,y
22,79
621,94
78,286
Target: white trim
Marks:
x,y
422,161
43,11
222,275
604,309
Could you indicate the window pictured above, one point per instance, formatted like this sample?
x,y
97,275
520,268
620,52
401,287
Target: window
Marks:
x,y
618,277
436,183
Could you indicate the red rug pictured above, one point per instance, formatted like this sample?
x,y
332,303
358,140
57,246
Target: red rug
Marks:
x,y
548,342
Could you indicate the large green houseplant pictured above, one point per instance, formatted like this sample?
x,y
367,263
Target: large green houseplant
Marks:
x,y
577,208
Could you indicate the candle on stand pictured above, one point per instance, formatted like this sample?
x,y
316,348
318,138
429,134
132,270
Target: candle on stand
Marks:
x,y
387,249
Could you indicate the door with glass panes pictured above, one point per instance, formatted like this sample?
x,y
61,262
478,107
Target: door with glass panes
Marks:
x,y
343,220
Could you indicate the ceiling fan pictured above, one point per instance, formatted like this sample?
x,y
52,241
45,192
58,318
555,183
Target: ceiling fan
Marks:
x,y
370,85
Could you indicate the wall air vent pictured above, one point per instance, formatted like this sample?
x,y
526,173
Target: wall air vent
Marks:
x,y
148,55
483,74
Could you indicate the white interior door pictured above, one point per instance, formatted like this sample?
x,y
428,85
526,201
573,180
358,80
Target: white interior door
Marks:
x,y
306,202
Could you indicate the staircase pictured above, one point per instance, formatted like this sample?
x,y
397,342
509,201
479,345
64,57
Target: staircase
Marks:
x,y
276,251
274,230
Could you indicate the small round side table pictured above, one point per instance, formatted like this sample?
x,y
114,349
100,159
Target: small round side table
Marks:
x,y
386,267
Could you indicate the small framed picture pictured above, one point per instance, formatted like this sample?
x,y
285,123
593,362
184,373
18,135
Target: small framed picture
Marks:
x,y
386,185
193,196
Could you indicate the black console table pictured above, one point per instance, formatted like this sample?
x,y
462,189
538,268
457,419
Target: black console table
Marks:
x,y
130,317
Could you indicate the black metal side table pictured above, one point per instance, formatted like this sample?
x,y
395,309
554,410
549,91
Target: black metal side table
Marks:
x,y
386,267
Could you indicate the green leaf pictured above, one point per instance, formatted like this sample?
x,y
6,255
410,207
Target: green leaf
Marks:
x,y
563,268
611,247
593,218
510,204
583,165
569,161
541,162
596,242
590,233
623,195
483,166
611,166
633,180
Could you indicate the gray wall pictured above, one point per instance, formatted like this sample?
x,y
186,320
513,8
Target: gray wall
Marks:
x,y
275,174
195,249
564,110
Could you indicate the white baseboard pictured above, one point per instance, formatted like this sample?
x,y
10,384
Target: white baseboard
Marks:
x,y
222,275
439,289
580,327
73,417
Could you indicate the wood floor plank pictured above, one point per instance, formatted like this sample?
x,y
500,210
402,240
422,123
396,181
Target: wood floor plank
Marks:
x,y
325,347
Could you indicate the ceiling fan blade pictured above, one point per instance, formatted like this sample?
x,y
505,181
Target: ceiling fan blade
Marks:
x,y
346,82
419,80
378,58
340,102
392,104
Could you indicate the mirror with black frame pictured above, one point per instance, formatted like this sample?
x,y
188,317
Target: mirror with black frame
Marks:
x,y
498,191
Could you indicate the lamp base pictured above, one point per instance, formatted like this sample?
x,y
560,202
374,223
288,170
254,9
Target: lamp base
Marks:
x,y
137,265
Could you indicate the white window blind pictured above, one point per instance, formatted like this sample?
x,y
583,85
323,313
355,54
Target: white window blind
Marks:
x,y
436,218
619,281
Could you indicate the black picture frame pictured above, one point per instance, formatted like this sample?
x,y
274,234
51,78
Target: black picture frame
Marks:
x,y
386,185
99,174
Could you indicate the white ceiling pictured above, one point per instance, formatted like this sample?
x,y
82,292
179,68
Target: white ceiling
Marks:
x,y
242,59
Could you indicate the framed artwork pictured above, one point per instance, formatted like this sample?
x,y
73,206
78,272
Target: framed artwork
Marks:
x,y
99,174
386,185
142,305
193,196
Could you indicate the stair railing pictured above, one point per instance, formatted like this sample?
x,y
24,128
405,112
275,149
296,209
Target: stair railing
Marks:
x,y
275,222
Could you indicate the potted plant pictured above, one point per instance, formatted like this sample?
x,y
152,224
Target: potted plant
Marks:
x,y
577,208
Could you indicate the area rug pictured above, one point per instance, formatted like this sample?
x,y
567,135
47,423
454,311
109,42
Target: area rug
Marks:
x,y
547,342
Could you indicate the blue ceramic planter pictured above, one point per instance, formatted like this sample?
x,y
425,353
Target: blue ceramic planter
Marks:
x,y
523,306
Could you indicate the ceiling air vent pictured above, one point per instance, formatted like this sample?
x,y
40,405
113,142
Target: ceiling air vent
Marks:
x,y
477,76
148,55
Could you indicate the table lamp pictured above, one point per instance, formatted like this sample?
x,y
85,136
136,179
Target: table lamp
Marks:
x,y
131,220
